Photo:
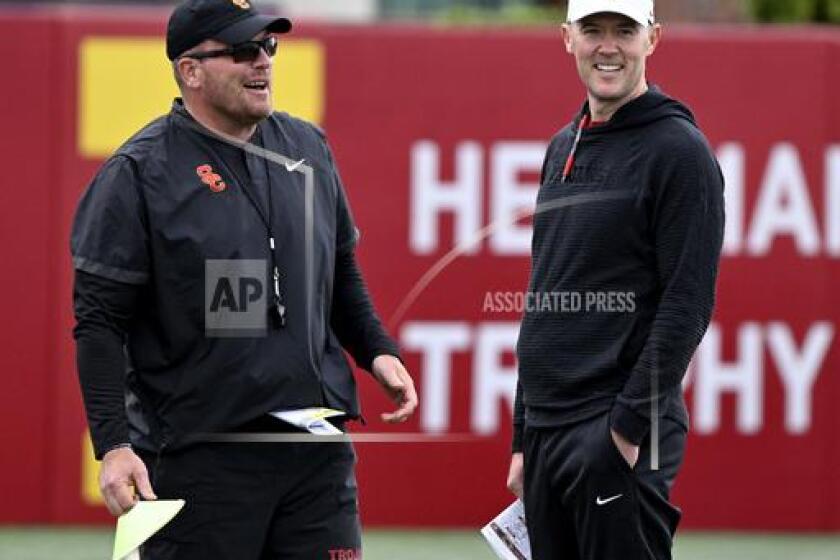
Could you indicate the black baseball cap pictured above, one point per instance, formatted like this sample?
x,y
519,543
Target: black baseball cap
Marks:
x,y
228,21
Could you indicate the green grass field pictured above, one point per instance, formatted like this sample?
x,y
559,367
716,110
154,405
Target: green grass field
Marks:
x,y
40,543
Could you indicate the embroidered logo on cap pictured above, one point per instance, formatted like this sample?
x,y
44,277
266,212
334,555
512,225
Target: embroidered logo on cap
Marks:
x,y
209,178
241,4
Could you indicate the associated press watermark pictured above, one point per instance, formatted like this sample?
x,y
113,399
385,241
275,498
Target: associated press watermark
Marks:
x,y
560,302
235,298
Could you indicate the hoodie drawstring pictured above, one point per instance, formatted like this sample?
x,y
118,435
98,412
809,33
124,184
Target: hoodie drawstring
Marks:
x,y
570,161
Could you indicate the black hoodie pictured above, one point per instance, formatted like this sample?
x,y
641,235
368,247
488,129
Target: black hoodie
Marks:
x,y
624,261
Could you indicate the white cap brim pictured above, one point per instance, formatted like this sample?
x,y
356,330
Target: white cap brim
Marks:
x,y
640,11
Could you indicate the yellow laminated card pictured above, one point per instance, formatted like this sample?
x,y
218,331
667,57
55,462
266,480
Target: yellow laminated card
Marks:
x,y
141,522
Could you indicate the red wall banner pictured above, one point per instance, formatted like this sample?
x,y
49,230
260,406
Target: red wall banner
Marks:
x,y
439,133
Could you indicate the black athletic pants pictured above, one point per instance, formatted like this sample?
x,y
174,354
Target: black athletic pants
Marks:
x,y
257,501
584,502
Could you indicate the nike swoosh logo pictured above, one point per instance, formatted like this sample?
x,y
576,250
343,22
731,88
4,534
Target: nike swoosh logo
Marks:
x,y
292,166
601,502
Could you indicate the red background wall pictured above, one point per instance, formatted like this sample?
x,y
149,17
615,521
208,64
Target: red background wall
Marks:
x,y
387,89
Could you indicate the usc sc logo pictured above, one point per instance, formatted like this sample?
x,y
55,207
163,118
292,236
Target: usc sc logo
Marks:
x,y
209,178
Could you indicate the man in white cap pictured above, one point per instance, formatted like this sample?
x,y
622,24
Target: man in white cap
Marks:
x,y
630,216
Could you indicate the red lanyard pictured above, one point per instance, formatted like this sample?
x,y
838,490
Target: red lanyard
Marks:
x,y
570,161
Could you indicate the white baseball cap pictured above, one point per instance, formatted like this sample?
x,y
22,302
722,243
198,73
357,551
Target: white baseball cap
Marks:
x,y
638,10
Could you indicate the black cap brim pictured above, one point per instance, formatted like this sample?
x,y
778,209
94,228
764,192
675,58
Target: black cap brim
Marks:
x,y
247,28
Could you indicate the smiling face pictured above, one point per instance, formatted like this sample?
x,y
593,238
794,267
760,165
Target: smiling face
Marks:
x,y
229,96
610,51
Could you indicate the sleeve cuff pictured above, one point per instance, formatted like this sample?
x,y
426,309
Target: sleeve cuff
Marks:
x,y
106,437
386,350
516,445
629,424
117,446
111,272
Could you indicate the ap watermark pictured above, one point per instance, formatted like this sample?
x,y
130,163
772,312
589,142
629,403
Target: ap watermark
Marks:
x,y
559,302
235,298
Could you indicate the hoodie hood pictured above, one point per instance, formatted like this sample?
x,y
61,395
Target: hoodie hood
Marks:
x,y
653,105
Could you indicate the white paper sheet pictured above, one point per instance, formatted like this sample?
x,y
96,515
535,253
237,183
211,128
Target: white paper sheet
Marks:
x,y
313,420
507,534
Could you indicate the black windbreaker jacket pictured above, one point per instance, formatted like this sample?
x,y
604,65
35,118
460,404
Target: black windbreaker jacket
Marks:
x,y
151,219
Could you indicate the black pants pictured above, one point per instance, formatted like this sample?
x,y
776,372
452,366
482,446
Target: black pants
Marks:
x,y
258,501
584,502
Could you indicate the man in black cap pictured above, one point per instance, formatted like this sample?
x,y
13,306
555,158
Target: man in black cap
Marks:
x,y
215,287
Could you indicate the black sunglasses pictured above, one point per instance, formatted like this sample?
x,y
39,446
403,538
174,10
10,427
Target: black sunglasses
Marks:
x,y
248,51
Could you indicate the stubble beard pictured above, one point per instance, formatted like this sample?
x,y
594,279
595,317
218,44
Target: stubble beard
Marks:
x,y
229,100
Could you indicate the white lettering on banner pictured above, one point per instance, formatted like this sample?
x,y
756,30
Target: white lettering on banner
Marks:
x,y
832,201
430,196
494,384
436,342
744,377
799,370
510,197
731,159
784,206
